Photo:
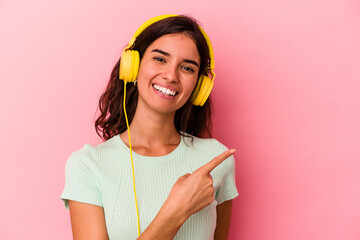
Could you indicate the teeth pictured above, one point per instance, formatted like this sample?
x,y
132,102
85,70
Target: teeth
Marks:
x,y
164,90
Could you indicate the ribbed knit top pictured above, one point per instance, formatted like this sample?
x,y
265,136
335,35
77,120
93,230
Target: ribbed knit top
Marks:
x,y
102,175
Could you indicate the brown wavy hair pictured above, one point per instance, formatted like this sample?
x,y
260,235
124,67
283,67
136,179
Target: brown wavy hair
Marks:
x,y
191,119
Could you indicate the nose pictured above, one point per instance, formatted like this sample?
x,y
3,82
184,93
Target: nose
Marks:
x,y
170,73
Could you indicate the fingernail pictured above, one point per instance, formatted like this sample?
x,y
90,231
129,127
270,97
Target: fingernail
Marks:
x,y
232,151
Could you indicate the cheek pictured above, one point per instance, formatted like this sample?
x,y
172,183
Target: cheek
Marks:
x,y
191,84
146,70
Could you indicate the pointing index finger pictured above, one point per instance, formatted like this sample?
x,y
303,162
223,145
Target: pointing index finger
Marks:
x,y
208,167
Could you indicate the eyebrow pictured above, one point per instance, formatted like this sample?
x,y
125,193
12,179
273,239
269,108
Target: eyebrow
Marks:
x,y
168,54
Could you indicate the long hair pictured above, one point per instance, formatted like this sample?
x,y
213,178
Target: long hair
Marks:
x,y
190,119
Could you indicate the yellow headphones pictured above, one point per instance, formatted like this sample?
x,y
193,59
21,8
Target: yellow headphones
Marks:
x,y
129,67
130,62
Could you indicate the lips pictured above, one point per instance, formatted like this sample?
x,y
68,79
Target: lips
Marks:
x,y
165,90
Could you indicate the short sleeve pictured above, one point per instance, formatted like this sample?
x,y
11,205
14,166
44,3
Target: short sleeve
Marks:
x,y
81,184
227,189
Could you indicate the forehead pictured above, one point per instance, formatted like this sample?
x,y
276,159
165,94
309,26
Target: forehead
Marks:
x,y
176,44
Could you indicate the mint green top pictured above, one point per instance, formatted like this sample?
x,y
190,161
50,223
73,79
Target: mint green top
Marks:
x,y
102,175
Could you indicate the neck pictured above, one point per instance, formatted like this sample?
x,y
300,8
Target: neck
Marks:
x,y
151,129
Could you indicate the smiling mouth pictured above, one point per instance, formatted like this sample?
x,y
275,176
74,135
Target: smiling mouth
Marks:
x,y
165,91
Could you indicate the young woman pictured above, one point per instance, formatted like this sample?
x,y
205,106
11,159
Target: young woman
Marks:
x,y
169,180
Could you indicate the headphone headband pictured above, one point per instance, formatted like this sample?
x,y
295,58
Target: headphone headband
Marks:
x,y
146,24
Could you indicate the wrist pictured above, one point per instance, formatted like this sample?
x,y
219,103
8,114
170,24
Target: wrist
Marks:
x,y
173,214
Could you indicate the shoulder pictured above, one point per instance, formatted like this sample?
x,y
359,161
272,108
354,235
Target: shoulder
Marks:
x,y
210,145
85,172
202,150
93,155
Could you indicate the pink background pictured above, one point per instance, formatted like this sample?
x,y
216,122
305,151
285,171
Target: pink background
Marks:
x,y
286,97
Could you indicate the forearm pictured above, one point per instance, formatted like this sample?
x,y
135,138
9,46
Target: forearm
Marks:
x,y
165,225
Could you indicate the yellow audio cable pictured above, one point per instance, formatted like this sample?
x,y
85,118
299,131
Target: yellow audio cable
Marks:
x,y
128,71
132,161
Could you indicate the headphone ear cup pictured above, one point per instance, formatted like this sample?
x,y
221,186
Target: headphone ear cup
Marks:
x,y
202,91
129,65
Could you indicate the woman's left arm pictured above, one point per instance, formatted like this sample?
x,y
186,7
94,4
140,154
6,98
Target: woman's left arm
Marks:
x,y
223,211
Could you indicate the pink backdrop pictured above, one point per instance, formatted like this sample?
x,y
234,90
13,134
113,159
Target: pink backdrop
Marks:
x,y
286,97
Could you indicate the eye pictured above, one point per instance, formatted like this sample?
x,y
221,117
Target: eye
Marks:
x,y
189,69
159,59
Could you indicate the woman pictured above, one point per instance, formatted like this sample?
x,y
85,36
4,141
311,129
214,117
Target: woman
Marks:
x,y
184,185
